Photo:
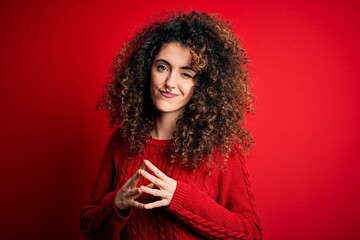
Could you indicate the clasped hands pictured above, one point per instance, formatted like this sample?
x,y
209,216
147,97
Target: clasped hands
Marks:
x,y
160,186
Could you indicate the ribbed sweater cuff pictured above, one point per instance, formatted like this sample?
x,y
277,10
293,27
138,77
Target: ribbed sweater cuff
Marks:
x,y
183,191
109,203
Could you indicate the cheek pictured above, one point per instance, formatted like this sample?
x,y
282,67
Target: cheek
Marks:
x,y
156,78
152,90
152,77
189,89
152,87
191,93
153,81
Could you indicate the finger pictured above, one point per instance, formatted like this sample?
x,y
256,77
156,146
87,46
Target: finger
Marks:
x,y
143,166
134,193
156,181
160,203
137,204
153,192
131,182
155,170
150,185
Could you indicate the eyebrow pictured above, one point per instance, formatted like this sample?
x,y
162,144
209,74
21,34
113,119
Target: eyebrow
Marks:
x,y
185,67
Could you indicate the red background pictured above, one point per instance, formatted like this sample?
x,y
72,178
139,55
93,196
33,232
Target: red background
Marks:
x,y
304,168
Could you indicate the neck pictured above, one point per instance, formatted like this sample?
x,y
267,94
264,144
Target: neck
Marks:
x,y
165,124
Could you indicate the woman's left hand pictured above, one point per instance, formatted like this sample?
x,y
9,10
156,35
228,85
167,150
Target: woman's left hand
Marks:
x,y
166,186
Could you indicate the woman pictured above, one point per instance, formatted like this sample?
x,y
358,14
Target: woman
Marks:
x,y
174,168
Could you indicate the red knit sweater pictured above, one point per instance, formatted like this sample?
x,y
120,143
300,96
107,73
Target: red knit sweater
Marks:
x,y
215,206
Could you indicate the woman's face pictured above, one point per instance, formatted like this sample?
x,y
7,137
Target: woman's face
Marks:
x,y
172,78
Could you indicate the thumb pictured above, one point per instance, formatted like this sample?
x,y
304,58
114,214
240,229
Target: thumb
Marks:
x,y
143,166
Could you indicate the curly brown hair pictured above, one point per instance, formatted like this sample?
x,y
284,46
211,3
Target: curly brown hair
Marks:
x,y
214,117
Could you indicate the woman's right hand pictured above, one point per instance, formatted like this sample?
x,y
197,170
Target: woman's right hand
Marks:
x,y
126,195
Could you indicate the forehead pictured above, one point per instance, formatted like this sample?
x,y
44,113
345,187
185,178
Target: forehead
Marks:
x,y
175,53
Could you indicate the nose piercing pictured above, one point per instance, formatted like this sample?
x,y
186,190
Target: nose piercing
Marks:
x,y
167,89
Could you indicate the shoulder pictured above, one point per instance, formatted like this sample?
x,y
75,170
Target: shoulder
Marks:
x,y
234,155
116,139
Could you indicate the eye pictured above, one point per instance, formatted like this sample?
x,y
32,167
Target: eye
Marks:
x,y
161,68
186,75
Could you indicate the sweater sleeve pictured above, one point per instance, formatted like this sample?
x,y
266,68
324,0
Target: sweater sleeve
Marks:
x,y
100,219
231,216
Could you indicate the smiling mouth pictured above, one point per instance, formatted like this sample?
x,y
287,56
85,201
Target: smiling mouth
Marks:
x,y
168,94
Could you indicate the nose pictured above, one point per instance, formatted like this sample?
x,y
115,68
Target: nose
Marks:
x,y
170,81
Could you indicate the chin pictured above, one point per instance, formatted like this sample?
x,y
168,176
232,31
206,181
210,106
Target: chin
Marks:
x,y
167,109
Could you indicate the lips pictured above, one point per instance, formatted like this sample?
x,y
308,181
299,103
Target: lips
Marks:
x,y
168,94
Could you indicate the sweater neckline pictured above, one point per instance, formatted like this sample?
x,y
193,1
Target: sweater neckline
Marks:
x,y
158,142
